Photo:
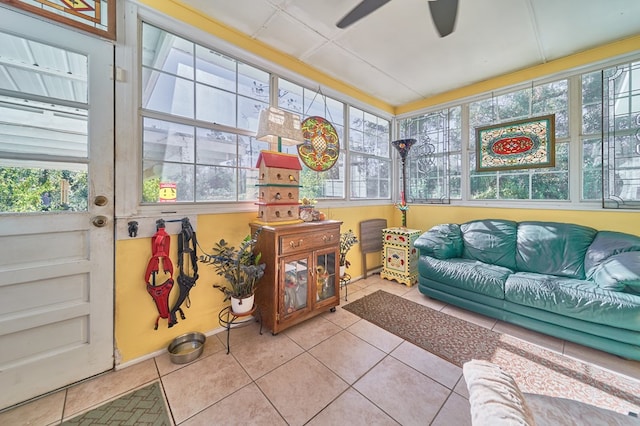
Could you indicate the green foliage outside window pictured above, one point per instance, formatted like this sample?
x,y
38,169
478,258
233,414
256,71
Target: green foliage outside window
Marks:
x,y
25,190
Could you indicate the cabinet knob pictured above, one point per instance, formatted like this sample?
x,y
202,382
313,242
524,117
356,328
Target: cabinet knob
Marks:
x,y
326,238
294,245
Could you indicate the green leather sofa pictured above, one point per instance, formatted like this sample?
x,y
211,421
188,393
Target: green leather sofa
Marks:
x,y
566,280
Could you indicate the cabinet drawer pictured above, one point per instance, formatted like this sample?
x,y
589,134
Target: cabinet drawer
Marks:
x,y
309,241
399,236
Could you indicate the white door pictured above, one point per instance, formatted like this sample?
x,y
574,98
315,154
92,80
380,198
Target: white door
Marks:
x,y
56,207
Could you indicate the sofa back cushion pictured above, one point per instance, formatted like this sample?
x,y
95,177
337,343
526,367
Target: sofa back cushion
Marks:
x,y
553,248
490,241
605,245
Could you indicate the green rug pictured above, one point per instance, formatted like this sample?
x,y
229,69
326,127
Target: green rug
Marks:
x,y
144,406
536,369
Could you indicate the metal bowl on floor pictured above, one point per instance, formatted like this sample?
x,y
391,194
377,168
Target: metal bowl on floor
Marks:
x,y
186,347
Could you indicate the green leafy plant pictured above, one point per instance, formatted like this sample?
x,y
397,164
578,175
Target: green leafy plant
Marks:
x,y
241,267
347,240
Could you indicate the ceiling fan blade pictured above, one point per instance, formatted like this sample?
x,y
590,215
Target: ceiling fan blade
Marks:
x,y
444,14
360,11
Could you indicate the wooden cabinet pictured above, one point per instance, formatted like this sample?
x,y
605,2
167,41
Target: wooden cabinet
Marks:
x,y
301,279
399,256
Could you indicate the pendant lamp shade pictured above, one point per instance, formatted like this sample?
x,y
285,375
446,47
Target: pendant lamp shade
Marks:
x,y
278,126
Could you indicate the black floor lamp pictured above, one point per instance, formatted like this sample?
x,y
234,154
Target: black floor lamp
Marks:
x,y
403,146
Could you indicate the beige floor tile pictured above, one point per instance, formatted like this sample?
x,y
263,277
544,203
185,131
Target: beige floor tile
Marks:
x,y
341,317
552,343
605,360
416,296
312,331
389,286
353,286
241,333
211,346
455,411
461,388
378,337
301,388
203,383
347,355
359,294
352,409
260,354
247,406
469,316
428,364
106,387
402,392
42,411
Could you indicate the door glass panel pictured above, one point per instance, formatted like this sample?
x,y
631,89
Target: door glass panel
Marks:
x,y
39,69
325,276
43,130
30,186
295,285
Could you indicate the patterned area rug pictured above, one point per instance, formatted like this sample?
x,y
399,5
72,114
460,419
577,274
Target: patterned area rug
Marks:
x,y
536,370
144,406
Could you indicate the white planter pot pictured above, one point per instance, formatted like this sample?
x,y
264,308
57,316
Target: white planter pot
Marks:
x,y
343,270
242,306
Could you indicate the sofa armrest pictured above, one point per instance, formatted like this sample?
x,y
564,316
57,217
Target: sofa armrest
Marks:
x,y
441,241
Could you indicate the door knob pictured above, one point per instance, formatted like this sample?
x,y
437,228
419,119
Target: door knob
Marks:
x,y
99,221
100,200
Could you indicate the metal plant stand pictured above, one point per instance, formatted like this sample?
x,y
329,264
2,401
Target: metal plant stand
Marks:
x,y
230,319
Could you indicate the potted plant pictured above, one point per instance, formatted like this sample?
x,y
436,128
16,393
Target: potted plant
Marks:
x,y
347,240
241,268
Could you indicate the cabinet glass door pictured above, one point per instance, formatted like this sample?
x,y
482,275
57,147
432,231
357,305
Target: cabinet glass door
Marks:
x,y
296,285
325,275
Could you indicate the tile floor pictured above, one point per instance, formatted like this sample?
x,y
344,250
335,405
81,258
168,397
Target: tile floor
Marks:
x,y
333,369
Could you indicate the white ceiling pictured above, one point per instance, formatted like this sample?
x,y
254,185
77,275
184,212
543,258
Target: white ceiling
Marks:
x,y
395,55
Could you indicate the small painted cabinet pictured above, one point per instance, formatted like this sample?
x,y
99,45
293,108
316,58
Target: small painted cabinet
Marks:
x,y
399,256
301,279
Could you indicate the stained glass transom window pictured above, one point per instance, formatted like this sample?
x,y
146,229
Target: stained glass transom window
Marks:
x,y
95,16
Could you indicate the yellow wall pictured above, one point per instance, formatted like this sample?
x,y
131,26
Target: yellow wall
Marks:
x,y
425,216
135,310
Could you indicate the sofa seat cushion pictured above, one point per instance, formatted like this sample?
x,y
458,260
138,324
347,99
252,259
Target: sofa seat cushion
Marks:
x,y
467,274
578,299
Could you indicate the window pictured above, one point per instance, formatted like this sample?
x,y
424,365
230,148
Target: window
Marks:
x,y
621,136
369,156
308,103
526,184
435,172
434,162
44,134
591,136
199,114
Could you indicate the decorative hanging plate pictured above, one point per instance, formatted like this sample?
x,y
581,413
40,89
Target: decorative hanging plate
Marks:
x,y
321,146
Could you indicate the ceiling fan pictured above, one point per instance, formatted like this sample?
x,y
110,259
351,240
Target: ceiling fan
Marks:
x,y
443,14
